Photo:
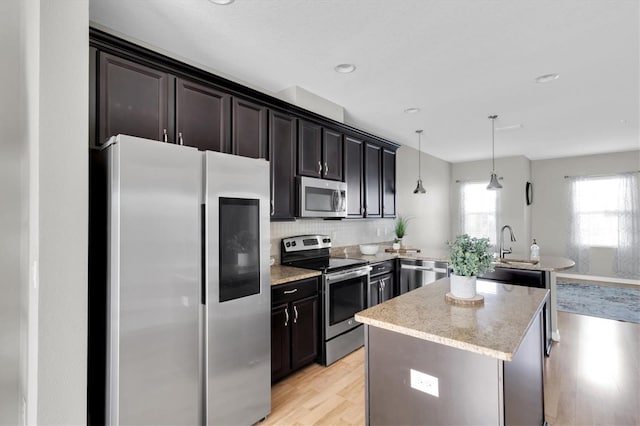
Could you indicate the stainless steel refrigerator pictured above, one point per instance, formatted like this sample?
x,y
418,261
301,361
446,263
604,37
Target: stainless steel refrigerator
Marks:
x,y
188,285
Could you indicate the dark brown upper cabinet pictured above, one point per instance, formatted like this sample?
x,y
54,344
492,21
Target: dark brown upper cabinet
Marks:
x,y
319,151
388,183
249,129
203,116
353,176
309,149
332,154
372,180
282,155
132,99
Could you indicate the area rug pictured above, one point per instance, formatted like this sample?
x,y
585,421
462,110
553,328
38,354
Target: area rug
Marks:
x,y
617,303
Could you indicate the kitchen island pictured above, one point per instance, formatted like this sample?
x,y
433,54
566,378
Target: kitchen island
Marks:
x,y
431,362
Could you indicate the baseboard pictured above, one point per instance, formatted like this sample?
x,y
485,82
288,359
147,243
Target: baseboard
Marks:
x,y
593,278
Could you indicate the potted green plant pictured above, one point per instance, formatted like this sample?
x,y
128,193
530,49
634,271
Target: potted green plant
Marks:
x,y
468,258
400,230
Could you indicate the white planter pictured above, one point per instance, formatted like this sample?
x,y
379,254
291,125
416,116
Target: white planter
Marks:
x,y
463,287
396,246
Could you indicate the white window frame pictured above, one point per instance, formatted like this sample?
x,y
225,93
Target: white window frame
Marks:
x,y
481,194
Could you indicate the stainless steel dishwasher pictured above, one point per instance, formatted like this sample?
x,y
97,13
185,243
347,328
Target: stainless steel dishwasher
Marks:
x,y
415,273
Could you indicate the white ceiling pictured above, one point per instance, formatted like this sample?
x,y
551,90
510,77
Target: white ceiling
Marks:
x,y
457,60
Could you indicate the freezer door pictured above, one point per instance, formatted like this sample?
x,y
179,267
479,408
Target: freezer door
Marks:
x,y
238,293
153,346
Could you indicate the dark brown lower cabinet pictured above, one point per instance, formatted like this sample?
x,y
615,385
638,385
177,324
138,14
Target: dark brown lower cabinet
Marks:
x,y
294,326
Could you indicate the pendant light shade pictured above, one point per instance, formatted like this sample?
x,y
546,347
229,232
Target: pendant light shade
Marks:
x,y
419,188
493,180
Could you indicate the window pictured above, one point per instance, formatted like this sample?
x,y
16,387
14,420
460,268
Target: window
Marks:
x,y
597,205
604,211
478,208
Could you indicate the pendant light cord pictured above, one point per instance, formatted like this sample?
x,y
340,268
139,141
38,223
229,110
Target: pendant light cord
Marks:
x,y
493,142
419,132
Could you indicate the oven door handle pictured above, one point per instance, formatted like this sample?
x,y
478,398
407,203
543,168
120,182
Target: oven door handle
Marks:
x,y
342,276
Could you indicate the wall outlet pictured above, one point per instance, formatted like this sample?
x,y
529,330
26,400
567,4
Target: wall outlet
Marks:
x,y
377,232
424,382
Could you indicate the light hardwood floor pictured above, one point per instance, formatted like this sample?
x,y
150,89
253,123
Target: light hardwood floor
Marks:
x,y
591,378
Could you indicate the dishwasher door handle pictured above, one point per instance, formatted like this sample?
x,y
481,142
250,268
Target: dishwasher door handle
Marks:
x,y
423,268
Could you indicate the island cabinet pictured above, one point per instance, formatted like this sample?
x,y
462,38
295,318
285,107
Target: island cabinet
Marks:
x,y
319,151
429,362
294,326
282,156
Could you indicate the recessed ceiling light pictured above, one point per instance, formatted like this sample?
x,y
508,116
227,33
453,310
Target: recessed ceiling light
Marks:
x,y
222,2
345,68
547,78
412,110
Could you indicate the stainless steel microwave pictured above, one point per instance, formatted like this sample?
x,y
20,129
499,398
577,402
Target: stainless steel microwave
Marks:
x,y
321,198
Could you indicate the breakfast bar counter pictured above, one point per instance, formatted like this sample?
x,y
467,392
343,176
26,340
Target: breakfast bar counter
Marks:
x,y
432,362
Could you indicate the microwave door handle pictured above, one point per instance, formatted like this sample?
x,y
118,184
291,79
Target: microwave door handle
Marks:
x,y
335,201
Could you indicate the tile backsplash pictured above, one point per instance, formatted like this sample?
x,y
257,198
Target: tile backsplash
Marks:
x,y
342,232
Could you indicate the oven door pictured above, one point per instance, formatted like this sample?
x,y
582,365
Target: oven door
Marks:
x,y
345,294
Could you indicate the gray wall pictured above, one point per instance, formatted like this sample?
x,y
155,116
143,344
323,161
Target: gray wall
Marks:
x,y
429,223
513,209
550,206
43,220
13,185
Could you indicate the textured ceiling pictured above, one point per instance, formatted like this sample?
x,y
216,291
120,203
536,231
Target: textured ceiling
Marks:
x,y
457,60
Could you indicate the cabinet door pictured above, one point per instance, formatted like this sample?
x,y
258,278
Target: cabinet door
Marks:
x,y
353,173
304,332
309,149
374,292
372,180
388,183
332,154
280,342
386,287
202,116
282,154
249,129
132,99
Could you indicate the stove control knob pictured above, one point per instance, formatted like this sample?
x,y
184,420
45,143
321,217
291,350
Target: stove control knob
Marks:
x,y
326,240
293,243
288,244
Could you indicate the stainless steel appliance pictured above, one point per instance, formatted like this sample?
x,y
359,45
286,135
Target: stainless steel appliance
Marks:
x,y
188,286
345,283
415,273
321,198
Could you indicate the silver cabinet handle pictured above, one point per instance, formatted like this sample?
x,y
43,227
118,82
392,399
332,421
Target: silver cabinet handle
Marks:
x,y
165,137
180,140
290,291
273,209
286,317
319,168
326,168
295,314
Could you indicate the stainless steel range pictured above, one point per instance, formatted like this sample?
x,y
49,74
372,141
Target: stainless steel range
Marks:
x,y
344,292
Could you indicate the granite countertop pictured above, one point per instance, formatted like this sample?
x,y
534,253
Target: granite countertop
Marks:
x,y
494,329
284,274
547,263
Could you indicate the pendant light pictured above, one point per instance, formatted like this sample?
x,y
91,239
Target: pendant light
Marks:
x,y
493,181
419,188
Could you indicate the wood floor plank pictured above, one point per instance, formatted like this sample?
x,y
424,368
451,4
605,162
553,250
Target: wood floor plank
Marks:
x,y
591,378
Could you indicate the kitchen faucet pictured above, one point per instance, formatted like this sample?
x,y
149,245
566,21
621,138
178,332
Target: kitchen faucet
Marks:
x,y
504,251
